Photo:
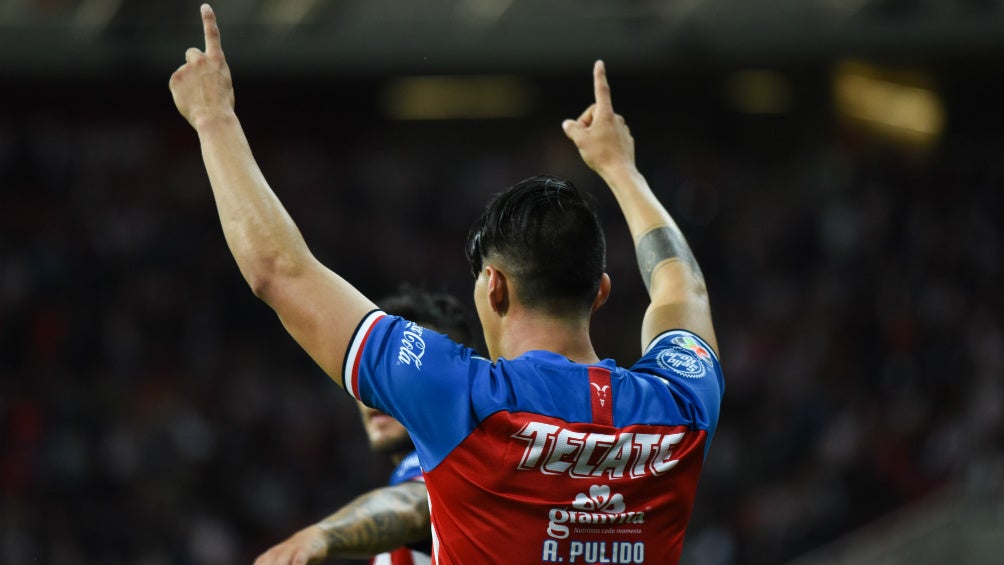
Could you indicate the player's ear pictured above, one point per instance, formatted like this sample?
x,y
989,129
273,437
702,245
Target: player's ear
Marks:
x,y
602,294
497,289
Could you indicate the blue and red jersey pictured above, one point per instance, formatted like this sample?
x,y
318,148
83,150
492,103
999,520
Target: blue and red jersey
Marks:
x,y
409,469
540,459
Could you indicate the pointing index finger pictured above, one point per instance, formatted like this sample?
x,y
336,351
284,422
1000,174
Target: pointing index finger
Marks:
x,y
211,30
601,88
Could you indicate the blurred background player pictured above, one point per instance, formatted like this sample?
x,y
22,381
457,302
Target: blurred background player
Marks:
x,y
391,522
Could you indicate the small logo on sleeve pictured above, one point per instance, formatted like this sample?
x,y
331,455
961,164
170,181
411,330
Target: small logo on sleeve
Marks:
x,y
682,362
412,346
694,346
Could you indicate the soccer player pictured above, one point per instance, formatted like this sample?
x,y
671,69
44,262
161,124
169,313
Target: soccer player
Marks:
x,y
543,453
392,522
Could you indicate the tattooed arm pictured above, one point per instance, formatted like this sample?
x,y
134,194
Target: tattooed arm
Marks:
x,y
380,520
679,297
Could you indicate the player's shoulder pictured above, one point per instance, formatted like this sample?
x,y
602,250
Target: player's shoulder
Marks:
x,y
685,339
680,352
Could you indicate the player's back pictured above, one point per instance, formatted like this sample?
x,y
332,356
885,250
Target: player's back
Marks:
x,y
541,460
578,463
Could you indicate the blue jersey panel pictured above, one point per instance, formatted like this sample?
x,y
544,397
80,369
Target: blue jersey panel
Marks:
x,y
442,391
421,378
408,469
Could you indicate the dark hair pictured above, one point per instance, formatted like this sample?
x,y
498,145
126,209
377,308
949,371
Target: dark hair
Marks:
x,y
443,312
547,236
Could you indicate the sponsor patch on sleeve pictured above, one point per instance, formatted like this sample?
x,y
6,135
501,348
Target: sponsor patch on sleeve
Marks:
x,y
683,362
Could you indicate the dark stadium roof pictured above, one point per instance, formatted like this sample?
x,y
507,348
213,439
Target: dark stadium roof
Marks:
x,y
442,36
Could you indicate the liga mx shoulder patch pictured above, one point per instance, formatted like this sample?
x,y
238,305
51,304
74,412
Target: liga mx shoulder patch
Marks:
x,y
687,357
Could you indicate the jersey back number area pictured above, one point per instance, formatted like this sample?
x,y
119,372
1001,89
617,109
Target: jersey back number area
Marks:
x,y
526,488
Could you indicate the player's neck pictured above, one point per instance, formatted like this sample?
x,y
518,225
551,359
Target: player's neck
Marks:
x,y
531,331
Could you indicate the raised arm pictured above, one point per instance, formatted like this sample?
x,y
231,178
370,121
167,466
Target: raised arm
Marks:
x,y
318,308
380,520
679,296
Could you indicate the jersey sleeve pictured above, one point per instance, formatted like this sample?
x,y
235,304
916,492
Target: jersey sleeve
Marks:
x,y
690,367
420,377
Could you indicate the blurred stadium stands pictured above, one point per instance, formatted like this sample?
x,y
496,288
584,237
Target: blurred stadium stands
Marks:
x,y
836,164
381,36
962,523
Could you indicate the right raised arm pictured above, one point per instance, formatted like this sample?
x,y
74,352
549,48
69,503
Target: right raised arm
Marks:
x,y
318,308
678,294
